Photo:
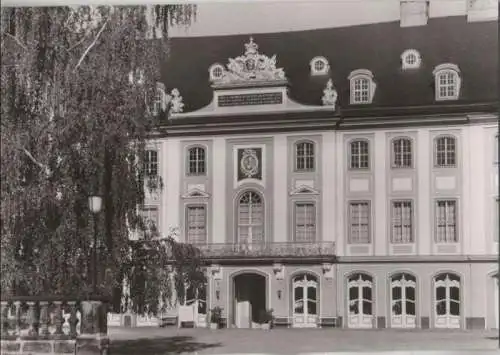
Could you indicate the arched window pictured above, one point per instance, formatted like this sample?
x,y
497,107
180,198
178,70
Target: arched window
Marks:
x,y
250,218
401,153
447,301
305,300
319,66
196,161
360,301
447,82
362,86
216,72
410,59
445,148
158,100
403,301
359,154
304,156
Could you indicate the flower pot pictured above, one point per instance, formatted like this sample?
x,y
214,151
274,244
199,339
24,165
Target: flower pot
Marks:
x,y
266,326
214,326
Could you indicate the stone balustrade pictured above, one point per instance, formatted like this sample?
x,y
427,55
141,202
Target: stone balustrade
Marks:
x,y
268,250
52,325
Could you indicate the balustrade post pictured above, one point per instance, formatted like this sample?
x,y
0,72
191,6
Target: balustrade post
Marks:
x,y
44,318
58,318
73,319
32,319
17,304
5,317
93,338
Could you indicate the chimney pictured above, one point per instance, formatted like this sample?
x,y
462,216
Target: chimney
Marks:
x,y
414,12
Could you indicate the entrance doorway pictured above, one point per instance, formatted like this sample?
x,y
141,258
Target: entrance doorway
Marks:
x,y
249,290
403,310
447,301
305,301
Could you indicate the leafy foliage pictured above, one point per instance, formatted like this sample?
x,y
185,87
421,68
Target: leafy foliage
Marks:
x,y
75,83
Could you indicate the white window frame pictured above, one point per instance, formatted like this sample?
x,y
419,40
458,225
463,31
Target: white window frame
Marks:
x,y
250,226
151,166
214,70
447,237
447,150
366,95
406,55
359,205
195,238
305,319
308,155
145,214
398,223
404,156
358,166
309,231
450,71
315,62
200,162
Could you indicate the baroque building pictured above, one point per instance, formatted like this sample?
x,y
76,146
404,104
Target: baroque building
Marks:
x,y
342,177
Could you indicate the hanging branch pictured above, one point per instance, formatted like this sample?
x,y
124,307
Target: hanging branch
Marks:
x,y
17,41
92,44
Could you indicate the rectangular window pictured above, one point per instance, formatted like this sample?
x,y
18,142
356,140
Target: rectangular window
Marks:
x,y
446,221
402,222
151,163
305,222
361,90
196,224
359,220
150,218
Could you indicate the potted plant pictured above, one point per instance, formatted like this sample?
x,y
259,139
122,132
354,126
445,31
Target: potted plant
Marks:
x,y
215,317
266,318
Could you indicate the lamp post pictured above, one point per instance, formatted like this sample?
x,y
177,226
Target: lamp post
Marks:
x,y
95,204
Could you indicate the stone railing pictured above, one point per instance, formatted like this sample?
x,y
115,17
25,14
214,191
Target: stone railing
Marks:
x,y
265,250
52,325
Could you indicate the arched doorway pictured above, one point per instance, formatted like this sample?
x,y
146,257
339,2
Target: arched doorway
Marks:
x,y
447,301
249,299
403,300
305,293
360,301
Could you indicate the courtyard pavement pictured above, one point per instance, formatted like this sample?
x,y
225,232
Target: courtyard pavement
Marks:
x,y
160,341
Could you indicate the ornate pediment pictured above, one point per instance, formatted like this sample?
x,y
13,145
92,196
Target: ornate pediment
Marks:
x,y
250,67
303,189
195,193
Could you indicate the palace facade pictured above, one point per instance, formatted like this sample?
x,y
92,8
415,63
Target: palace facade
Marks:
x,y
341,177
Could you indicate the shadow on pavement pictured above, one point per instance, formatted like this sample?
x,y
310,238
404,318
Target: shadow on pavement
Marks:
x,y
158,346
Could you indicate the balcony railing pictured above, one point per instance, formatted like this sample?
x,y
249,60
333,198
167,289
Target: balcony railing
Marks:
x,y
266,250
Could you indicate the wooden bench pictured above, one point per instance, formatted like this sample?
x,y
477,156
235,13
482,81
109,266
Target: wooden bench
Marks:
x,y
282,322
329,322
166,321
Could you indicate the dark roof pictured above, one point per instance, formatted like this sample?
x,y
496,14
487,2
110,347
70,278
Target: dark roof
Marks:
x,y
376,47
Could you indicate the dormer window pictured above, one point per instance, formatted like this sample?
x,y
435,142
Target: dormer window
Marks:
x,y
159,101
362,86
319,66
216,71
411,59
447,82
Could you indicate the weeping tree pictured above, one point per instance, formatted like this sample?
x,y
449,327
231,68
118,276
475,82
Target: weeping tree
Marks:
x,y
76,84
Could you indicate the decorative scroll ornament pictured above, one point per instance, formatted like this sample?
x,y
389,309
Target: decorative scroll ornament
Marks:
x,y
176,104
249,163
251,66
329,95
